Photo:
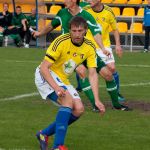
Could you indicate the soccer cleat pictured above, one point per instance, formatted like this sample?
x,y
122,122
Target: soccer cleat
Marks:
x,y
43,140
61,147
95,109
26,46
120,98
123,108
145,50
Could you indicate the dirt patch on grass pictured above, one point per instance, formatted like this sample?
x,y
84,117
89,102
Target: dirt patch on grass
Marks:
x,y
140,105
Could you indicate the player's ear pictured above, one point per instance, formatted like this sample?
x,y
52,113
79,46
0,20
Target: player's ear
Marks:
x,y
85,32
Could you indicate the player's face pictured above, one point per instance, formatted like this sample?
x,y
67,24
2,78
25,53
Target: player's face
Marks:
x,y
93,2
5,7
33,11
69,3
77,34
148,1
18,11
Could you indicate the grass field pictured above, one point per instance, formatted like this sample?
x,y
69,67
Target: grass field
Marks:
x,y
23,113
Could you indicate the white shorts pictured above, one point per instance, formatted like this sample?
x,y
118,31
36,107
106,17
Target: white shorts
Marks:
x,y
106,59
45,89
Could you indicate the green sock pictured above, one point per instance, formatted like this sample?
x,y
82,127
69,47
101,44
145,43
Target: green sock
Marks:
x,y
86,88
112,90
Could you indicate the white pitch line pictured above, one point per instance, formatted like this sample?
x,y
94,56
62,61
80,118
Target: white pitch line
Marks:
x,y
35,93
121,65
19,97
126,65
22,61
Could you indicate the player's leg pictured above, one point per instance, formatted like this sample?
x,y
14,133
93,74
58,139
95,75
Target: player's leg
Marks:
x,y
78,88
63,114
110,84
62,119
76,113
85,84
111,67
1,37
146,41
110,63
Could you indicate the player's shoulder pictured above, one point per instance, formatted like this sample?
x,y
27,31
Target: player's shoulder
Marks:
x,y
87,7
59,40
89,43
62,38
108,9
63,11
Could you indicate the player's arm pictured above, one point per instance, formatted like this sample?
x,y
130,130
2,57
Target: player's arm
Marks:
x,y
93,78
51,26
44,31
44,70
98,39
96,32
113,24
117,40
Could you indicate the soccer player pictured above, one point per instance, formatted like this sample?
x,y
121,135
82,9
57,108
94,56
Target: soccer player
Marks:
x,y
106,18
62,57
31,21
5,21
146,23
62,18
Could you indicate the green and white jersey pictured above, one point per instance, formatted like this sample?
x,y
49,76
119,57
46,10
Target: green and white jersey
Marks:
x,y
63,18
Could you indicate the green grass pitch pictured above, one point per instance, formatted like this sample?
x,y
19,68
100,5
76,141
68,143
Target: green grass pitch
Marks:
x,y
21,115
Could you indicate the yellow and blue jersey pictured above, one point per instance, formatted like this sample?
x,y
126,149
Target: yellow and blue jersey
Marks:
x,y
65,56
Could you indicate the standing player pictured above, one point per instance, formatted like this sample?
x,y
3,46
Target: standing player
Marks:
x,y
106,18
62,57
62,18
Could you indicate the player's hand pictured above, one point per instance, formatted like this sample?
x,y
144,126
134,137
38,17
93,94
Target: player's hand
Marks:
x,y
119,51
36,34
60,92
100,106
24,28
106,52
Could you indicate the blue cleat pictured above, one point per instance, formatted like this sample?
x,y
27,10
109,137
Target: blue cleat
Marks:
x,y
43,140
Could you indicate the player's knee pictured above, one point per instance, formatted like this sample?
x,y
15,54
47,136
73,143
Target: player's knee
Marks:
x,y
81,70
106,74
111,67
79,111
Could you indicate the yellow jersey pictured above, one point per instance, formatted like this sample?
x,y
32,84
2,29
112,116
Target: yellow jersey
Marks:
x,y
106,19
65,56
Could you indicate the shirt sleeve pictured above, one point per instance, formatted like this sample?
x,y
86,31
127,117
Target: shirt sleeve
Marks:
x,y
112,20
92,24
57,20
53,52
91,60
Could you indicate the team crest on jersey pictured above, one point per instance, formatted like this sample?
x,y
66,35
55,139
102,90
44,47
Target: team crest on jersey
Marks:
x,y
103,19
68,52
74,54
69,66
82,55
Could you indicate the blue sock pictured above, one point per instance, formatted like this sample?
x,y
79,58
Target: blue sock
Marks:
x,y
62,120
50,130
78,82
116,77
